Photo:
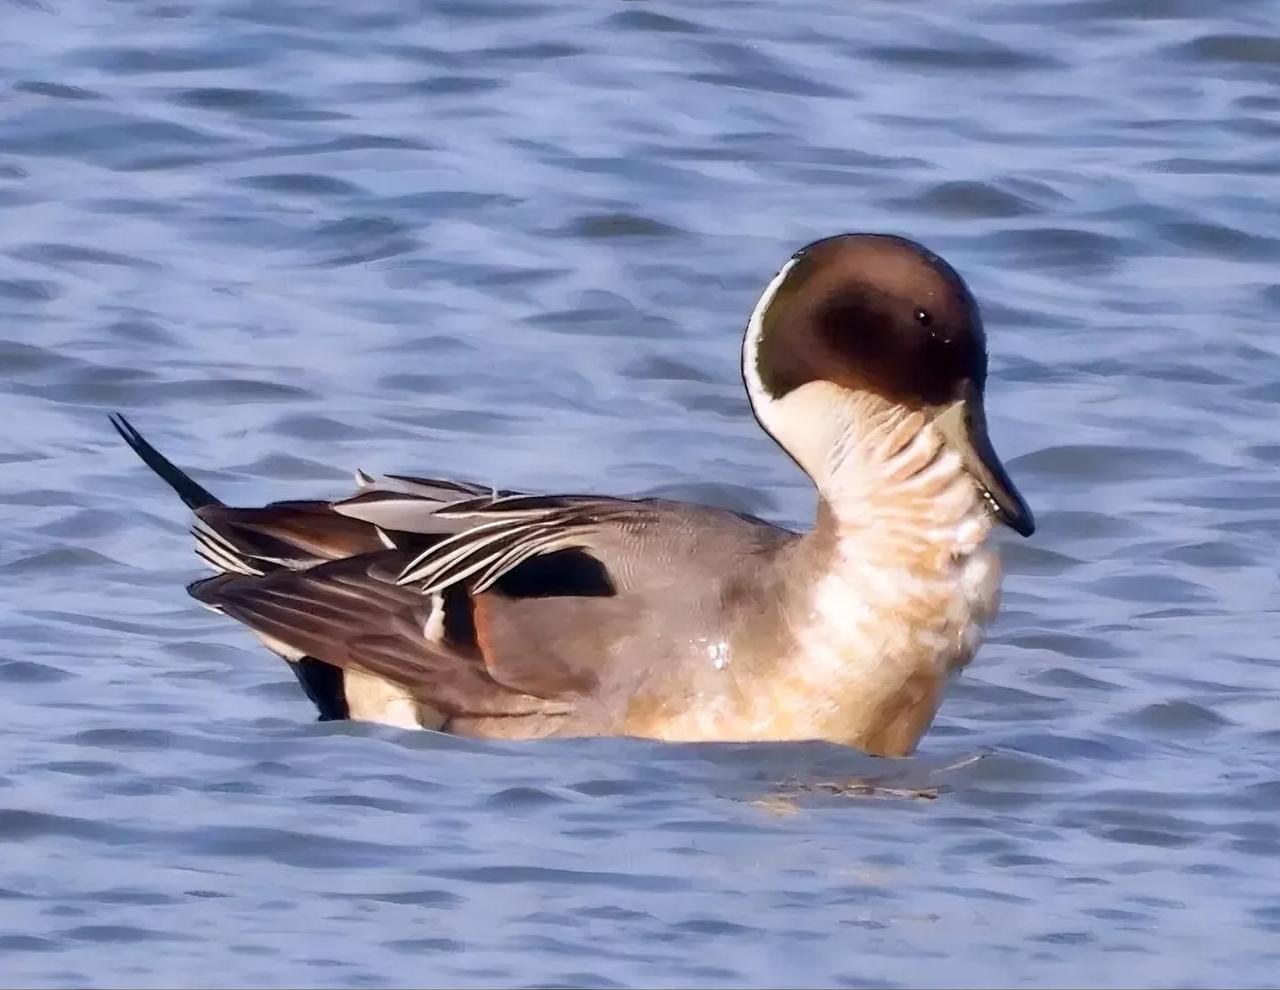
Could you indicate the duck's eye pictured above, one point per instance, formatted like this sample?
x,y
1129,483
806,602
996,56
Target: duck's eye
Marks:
x,y
924,317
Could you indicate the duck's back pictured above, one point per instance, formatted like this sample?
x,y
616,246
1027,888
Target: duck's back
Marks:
x,y
441,604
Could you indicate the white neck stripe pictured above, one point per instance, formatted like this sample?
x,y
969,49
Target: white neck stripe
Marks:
x,y
756,391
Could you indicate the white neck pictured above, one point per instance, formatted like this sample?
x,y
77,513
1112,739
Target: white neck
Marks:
x,y
886,475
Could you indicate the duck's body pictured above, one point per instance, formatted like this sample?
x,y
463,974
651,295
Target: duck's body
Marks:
x,y
441,605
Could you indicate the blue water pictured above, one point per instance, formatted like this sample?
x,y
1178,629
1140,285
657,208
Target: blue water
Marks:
x,y
517,242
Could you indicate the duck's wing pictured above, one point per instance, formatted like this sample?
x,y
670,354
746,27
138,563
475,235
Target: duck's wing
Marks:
x,y
318,583
441,617
352,615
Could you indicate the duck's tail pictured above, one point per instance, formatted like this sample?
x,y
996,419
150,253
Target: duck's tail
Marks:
x,y
226,550
188,489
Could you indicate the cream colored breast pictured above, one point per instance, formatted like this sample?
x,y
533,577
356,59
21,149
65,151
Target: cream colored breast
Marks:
x,y
870,657
881,641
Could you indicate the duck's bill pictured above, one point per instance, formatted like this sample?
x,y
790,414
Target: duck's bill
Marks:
x,y
963,425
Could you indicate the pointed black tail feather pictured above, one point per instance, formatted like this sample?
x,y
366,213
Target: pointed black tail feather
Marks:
x,y
188,489
323,683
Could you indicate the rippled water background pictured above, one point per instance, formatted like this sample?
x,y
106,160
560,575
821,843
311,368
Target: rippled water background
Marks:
x,y
516,241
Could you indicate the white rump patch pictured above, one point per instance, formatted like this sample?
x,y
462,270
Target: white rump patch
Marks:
x,y
371,698
279,647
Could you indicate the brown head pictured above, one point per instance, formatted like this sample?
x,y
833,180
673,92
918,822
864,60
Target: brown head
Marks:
x,y
873,313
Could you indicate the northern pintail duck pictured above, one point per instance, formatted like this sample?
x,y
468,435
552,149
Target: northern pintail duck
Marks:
x,y
448,606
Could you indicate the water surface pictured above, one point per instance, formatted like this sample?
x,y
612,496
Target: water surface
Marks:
x,y
517,242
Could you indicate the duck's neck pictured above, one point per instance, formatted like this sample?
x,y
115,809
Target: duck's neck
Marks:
x,y
886,481
893,583
889,486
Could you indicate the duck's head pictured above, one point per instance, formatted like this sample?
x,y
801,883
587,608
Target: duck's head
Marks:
x,y
874,315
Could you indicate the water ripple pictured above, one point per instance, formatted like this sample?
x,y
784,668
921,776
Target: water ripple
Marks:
x,y
518,242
